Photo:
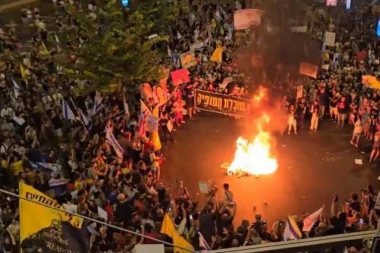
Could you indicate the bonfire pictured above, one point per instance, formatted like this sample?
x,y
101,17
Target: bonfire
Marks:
x,y
253,157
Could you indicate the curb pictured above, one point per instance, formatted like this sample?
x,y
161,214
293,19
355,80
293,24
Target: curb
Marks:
x,y
15,4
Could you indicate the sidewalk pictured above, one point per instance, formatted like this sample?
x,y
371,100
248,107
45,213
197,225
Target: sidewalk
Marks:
x,y
10,4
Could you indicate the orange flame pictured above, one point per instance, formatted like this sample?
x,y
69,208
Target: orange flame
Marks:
x,y
254,157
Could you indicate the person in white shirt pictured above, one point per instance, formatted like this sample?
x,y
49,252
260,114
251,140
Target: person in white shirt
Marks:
x,y
47,100
7,112
6,146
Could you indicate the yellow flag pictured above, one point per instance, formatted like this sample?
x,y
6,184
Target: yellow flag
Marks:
x,y
181,242
23,72
167,227
51,229
45,50
217,56
155,138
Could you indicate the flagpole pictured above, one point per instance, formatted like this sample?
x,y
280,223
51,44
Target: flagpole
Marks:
x,y
93,220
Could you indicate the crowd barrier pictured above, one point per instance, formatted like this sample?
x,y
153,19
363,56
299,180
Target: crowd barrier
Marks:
x,y
317,243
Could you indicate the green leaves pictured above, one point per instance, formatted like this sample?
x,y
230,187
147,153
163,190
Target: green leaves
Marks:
x,y
118,48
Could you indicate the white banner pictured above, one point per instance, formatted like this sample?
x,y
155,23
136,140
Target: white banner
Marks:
x,y
243,19
152,123
330,39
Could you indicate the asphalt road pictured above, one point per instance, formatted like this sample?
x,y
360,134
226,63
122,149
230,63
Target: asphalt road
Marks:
x,y
312,167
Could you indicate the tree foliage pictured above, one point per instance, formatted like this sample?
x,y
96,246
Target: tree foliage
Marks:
x,y
118,46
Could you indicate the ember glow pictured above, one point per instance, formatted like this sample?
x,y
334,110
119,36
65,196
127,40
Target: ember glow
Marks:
x,y
254,157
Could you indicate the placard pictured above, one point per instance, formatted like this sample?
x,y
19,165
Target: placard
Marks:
x,y
180,76
330,39
152,123
331,2
203,187
219,103
225,82
243,19
308,69
188,60
299,91
169,125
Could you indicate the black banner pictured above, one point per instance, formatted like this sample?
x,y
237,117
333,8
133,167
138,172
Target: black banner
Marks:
x,y
219,103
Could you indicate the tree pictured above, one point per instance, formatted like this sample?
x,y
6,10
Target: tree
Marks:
x,y
118,47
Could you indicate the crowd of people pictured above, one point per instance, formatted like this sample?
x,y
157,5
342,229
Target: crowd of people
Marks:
x,y
58,142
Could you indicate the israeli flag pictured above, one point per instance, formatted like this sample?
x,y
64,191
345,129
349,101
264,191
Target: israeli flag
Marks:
x,y
16,88
85,120
50,166
110,138
66,111
97,103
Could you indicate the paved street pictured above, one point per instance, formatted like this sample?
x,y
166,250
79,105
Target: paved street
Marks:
x,y
312,167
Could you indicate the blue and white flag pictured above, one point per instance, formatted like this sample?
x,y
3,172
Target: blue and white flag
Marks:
x,y
110,138
203,243
85,121
97,103
16,88
50,166
66,111
292,231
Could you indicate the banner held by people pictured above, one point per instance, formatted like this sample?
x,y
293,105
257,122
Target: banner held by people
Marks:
x,y
54,230
219,103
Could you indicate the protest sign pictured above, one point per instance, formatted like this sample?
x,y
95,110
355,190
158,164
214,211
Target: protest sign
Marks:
x,y
299,91
330,39
243,19
180,76
308,69
203,187
152,123
219,103
225,82
188,59
331,2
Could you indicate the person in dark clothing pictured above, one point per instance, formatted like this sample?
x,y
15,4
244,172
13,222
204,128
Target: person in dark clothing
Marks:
x,y
166,128
342,108
123,209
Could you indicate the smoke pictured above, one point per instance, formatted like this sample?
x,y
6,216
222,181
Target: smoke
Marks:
x,y
275,51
